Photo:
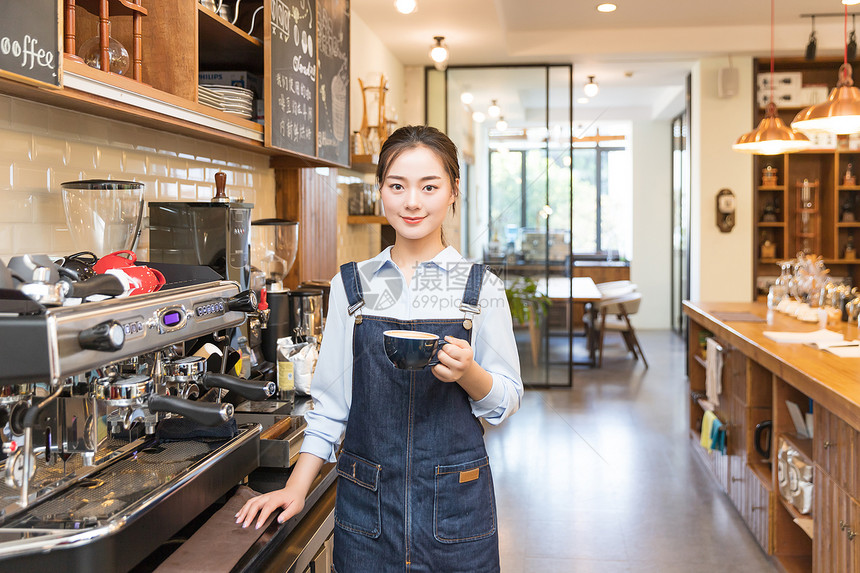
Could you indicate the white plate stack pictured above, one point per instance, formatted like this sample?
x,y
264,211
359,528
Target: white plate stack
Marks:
x,y
229,99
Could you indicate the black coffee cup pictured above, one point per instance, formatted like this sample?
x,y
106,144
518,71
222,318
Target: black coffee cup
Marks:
x,y
764,429
412,349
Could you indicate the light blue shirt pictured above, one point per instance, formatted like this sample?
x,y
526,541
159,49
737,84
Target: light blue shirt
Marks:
x,y
435,292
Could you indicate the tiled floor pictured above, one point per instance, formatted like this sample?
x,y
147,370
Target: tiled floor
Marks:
x,y
601,477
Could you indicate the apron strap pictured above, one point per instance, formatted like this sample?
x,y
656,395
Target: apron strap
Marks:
x,y
352,286
469,305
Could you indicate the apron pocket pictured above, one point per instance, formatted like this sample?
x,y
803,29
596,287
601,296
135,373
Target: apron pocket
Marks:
x,y
357,502
464,508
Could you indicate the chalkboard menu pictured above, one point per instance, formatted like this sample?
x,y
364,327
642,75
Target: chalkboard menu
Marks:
x,y
291,75
30,41
333,78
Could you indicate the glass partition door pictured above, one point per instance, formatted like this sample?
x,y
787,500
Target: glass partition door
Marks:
x,y
520,198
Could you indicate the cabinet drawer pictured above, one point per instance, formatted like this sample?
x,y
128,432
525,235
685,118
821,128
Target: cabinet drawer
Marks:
x,y
754,505
837,521
835,450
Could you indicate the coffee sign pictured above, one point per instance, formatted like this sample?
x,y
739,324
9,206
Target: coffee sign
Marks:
x,y
291,75
30,41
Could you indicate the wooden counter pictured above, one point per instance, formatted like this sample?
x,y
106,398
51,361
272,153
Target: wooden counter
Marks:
x,y
829,380
759,377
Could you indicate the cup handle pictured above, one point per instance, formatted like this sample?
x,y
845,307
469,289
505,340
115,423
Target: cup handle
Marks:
x,y
435,360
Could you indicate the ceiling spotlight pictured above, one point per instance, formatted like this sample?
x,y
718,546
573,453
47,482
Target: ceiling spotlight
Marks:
x,y
439,53
478,117
591,88
582,100
494,110
813,43
501,125
406,6
467,98
607,7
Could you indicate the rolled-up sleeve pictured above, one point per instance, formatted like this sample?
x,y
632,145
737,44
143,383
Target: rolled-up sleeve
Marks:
x,y
331,386
496,352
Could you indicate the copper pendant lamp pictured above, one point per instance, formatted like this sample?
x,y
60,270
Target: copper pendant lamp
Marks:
x,y
840,114
772,136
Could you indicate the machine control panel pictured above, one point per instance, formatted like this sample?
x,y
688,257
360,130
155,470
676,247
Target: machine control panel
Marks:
x,y
210,309
148,322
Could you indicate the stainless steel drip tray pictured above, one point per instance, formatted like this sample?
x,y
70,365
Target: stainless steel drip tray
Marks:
x,y
115,517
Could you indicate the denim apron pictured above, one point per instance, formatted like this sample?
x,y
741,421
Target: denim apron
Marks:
x,y
414,493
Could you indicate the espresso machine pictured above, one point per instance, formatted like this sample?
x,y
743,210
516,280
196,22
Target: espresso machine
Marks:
x,y
101,431
115,430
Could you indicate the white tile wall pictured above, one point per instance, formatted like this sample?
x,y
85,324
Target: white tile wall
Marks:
x,y
42,146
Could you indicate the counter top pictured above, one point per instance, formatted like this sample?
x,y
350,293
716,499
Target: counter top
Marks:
x,y
827,379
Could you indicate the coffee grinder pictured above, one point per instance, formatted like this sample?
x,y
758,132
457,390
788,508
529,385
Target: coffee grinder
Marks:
x,y
274,244
214,234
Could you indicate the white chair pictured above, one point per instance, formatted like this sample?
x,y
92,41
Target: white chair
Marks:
x,y
614,315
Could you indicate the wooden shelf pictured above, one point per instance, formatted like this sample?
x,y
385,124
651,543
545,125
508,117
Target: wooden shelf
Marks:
x,y
793,510
841,261
763,473
852,225
773,224
803,445
116,7
366,220
364,163
223,46
794,563
771,188
849,187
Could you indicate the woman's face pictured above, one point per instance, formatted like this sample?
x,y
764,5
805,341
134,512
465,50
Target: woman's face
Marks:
x,y
416,193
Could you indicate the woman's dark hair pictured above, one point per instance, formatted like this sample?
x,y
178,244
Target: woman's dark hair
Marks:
x,y
410,136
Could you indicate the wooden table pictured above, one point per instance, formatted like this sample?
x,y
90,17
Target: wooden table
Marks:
x,y
568,291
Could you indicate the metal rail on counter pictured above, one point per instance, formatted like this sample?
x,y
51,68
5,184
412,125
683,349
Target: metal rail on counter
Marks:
x,y
292,545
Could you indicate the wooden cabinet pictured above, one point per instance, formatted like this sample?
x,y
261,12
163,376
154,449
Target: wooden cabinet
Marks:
x,y
806,204
836,547
765,376
178,40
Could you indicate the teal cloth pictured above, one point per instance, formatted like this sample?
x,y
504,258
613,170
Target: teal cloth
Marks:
x,y
718,436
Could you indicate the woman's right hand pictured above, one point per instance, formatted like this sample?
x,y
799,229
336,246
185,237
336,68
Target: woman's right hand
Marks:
x,y
287,499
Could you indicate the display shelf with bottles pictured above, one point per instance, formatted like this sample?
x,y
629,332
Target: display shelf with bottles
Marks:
x,y
836,224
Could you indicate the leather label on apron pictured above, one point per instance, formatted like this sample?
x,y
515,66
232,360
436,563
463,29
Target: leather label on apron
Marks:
x,y
470,475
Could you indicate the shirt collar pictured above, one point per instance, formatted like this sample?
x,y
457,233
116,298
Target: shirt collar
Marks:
x,y
446,258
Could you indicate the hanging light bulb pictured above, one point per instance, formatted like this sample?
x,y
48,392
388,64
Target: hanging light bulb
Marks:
x,y
406,6
467,98
840,114
772,136
478,117
591,88
850,2
494,110
501,125
439,53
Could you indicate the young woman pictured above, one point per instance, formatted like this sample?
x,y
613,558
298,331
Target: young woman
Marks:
x,y
415,491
